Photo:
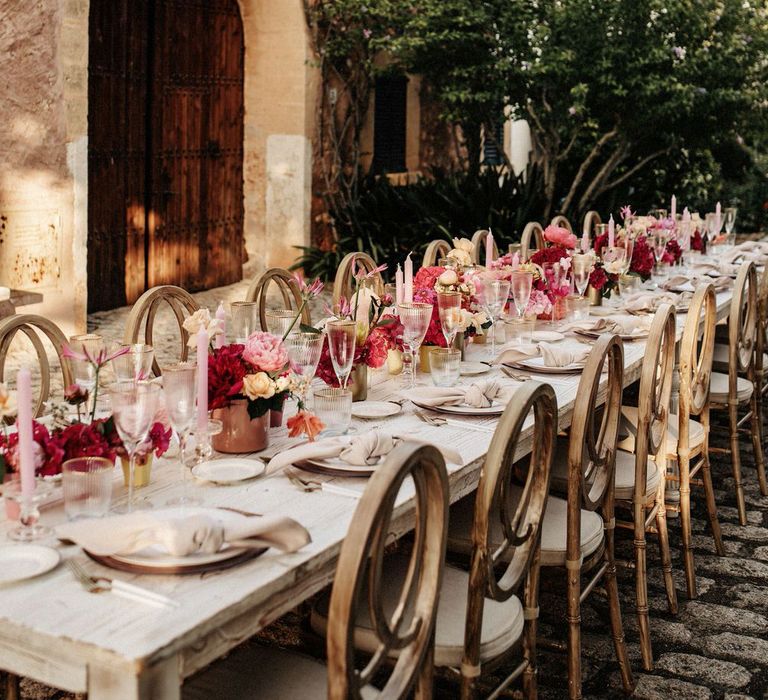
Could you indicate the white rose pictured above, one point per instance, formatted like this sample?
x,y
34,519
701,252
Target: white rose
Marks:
x,y
282,384
448,278
463,244
462,257
201,319
7,401
258,386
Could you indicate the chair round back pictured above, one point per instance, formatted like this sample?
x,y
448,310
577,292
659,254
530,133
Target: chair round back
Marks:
x,y
655,392
34,327
562,222
145,310
478,251
696,356
436,250
362,557
533,230
343,285
591,220
289,291
762,321
594,433
743,323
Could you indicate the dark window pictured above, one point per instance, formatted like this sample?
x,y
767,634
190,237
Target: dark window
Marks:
x,y
389,125
492,147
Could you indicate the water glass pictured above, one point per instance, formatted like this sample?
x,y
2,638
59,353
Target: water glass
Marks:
x,y
445,366
135,365
87,486
279,321
342,339
304,350
90,343
519,330
334,408
577,307
245,319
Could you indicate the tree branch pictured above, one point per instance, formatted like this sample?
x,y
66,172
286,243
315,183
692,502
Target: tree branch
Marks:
x,y
633,170
621,152
585,165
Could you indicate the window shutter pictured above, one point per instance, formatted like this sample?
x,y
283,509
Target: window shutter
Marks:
x,y
389,119
492,148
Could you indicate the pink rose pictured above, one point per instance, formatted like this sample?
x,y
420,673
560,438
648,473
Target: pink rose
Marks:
x,y
557,235
265,352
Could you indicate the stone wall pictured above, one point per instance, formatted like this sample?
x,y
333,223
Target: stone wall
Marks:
x,y
43,113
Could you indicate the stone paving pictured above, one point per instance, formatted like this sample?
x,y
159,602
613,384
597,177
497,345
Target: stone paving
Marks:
x,y
716,648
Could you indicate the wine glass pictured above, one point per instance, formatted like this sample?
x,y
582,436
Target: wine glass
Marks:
x,y
581,264
415,317
660,240
730,219
84,372
342,338
134,406
180,389
712,224
449,309
135,365
493,294
304,350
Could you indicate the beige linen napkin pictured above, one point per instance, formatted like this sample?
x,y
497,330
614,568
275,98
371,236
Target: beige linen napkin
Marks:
x,y
356,450
554,355
181,532
646,301
479,395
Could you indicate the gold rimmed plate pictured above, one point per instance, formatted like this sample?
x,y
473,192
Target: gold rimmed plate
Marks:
x,y
495,409
536,364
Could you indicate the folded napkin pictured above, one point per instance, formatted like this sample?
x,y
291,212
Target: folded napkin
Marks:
x,y
479,395
689,284
646,301
181,532
355,450
554,355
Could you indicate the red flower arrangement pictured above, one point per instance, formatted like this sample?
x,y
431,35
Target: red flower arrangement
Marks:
x,y
697,241
673,253
643,258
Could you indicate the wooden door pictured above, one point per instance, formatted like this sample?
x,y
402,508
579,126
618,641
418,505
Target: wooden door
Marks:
x,y
165,147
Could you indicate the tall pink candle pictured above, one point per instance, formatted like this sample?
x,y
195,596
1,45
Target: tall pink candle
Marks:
x,y
717,216
611,232
673,208
489,249
516,261
399,285
585,242
24,427
408,279
221,317
202,382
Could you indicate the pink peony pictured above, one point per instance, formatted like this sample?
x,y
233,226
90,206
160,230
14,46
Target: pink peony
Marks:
x,y
265,352
558,235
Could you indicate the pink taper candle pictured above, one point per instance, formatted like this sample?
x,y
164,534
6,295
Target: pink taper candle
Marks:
x,y
611,232
717,216
585,242
489,249
399,285
221,317
673,208
24,427
408,279
202,381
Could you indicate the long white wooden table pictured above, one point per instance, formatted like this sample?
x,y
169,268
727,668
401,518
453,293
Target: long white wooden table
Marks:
x,y
55,632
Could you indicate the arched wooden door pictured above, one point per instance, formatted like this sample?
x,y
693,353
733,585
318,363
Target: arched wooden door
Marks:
x,y
165,147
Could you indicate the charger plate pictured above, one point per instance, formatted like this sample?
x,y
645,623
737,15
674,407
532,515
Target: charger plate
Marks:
x,y
536,364
495,409
334,466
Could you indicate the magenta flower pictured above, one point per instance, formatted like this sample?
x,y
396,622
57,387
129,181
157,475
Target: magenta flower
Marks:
x,y
361,274
308,290
626,211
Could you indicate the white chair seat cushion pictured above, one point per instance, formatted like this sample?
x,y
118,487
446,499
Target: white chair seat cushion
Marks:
x,y
718,388
720,359
695,432
625,473
257,671
553,529
502,621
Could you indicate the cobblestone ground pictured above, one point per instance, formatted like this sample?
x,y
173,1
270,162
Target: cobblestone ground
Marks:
x,y
715,648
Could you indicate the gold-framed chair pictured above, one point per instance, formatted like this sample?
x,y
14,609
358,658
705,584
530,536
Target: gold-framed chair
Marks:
x,y
35,328
144,311
478,250
408,626
640,474
289,290
561,221
584,469
740,385
436,250
591,220
533,230
343,285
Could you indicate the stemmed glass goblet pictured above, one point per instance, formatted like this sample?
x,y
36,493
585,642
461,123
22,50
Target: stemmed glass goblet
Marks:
x,y
415,317
134,406
449,309
581,264
84,372
179,389
493,294
304,350
342,339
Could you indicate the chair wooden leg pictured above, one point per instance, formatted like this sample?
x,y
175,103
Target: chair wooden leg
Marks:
x,y
574,633
641,593
425,681
666,558
733,428
709,495
757,439
617,628
12,687
530,684
685,524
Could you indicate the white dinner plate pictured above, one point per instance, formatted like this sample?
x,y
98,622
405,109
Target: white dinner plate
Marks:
x,y
546,336
19,562
536,364
232,470
375,409
495,409
472,369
